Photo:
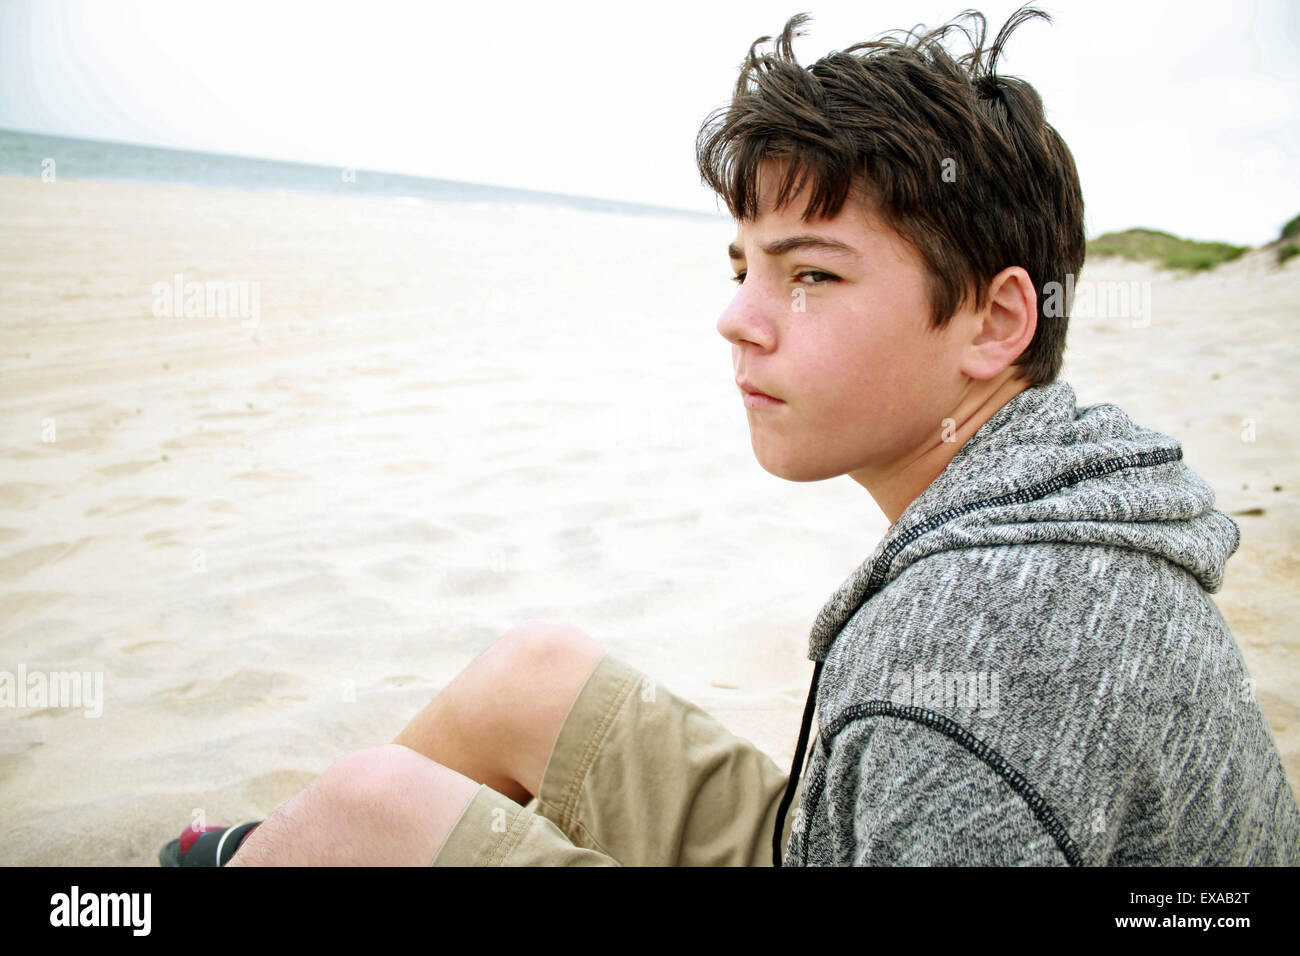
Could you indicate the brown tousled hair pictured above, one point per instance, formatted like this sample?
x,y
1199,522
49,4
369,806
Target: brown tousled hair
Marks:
x,y
882,121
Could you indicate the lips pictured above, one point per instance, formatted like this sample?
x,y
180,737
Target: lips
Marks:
x,y
750,389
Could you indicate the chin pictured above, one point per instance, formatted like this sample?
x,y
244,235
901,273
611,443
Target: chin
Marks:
x,y
796,470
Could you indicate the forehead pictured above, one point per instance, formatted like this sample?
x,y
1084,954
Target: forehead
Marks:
x,y
857,224
856,232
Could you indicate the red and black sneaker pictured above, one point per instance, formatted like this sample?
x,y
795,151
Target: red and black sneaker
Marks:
x,y
210,846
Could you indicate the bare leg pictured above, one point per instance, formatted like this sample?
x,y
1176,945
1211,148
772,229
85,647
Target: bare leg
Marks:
x,y
498,720
386,806
495,723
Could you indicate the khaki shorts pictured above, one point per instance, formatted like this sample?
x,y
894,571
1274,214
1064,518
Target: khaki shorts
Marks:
x,y
638,777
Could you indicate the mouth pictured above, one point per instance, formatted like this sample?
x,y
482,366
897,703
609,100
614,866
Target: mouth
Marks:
x,y
755,398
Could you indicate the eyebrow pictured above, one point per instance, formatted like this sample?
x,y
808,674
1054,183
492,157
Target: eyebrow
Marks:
x,y
779,247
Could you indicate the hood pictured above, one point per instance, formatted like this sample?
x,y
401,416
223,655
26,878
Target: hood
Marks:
x,y
1041,470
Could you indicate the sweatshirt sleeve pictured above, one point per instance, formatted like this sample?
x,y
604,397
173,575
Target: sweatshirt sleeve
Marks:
x,y
900,793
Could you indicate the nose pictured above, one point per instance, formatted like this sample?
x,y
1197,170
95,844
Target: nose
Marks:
x,y
748,317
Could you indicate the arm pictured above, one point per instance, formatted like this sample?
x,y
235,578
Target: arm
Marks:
x,y
902,793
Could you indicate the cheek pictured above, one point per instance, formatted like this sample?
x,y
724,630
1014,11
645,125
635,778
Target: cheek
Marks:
x,y
907,351
873,353
880,365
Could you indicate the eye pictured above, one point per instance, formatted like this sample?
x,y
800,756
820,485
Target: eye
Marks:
x,y
738,278
819,277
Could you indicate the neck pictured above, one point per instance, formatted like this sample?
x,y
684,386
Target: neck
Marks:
x,y
897,486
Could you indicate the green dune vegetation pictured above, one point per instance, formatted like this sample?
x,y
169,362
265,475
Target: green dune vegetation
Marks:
x,y
1174,252
1169,250
1286,249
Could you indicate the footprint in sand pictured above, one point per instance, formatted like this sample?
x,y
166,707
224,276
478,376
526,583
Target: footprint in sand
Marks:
x,y
163,502
17,603
165,538
143,645
18,494
273,474
246,413
403,468
29,559
80,443
271,789
246,687
201,439
125,468
401,680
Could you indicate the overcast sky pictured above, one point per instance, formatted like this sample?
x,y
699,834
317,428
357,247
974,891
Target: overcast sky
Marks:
x,y
1181,115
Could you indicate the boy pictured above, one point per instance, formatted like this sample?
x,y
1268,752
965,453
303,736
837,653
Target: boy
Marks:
x,y
1027,670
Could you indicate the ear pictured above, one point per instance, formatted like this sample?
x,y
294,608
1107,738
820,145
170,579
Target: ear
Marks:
x,y
1003,329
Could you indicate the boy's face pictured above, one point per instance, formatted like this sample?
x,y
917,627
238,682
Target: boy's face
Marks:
x,y
833,319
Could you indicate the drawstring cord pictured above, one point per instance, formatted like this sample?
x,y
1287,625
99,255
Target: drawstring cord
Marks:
x,y
793,783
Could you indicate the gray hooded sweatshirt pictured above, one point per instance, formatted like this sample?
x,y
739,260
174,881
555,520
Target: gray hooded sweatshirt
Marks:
x,y
1029,668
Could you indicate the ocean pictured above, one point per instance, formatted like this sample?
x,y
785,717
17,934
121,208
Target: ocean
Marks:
x,y
38,154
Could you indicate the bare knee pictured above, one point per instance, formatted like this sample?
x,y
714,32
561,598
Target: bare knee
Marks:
x,y
542,645
383,805
537,671
496,721
364,788
539,662
367,780
407,803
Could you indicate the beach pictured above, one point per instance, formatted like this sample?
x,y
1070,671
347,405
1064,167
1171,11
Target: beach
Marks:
x,y
278,529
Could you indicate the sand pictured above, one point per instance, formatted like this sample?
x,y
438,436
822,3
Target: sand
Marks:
x,y
276,540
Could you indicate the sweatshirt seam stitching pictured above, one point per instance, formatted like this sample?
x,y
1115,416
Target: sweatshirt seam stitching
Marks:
x,y
1144,459
815,796
988,755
